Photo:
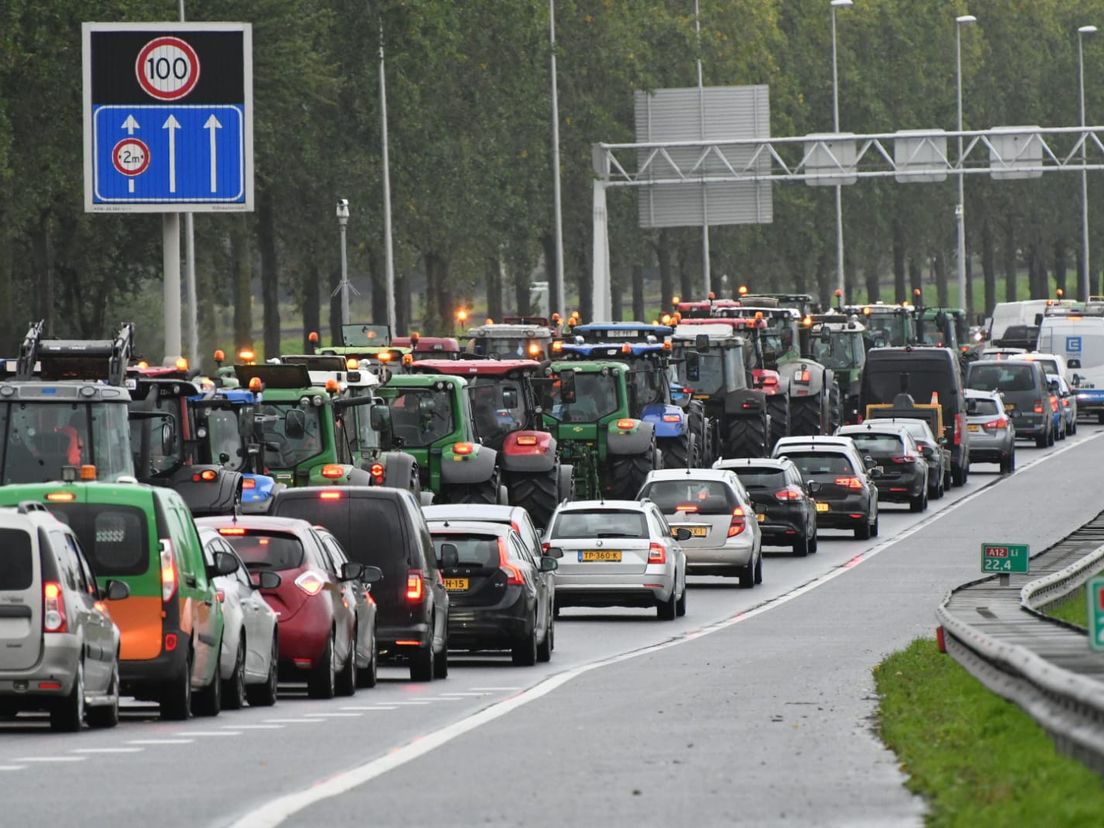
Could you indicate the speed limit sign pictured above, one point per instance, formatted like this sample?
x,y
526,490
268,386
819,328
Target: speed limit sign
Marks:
x,y
167,68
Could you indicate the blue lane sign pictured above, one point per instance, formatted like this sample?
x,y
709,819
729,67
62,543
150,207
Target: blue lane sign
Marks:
x,y
1073,344
168,117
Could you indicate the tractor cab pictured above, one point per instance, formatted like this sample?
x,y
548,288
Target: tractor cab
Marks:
x,y
887,326
518,338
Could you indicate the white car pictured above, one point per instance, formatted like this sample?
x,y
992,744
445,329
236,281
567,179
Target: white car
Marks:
x,y
249,660
725,538
618,553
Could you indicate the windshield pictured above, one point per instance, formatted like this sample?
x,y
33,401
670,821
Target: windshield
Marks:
x,y
223,443
706,497
892,326
709,373
984,407
498,407
595,398
421,416
1004,377
600,523
358,336
820,462
292,433
501,347
40,438
757,477
841,351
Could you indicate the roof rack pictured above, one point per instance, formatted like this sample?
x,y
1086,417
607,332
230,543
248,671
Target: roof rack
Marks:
x,y
68,359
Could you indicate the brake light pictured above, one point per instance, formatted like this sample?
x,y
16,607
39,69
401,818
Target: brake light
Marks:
x,y
332,471
168,571
1038,407
657,553
852,483
958,429
249,483
377,471
310,582
513,574
207,475
737,524
545,547
769,381
626,425
789,493
1065,403
462,448
686,507
904,459
993,425
1053,404
330,495
414,587
527,440
235,531
53,608
672,418
170,642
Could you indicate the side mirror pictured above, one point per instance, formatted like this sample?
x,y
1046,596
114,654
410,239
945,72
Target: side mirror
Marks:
x,y
1076,380
869,461
567,387
371,574
693,366
928,452
225,564
553,552
352,571
812,487
1073,363
875,471
116,590
448,556
1052,386
548,564
379,417
265,579
168,437
681,533
701,343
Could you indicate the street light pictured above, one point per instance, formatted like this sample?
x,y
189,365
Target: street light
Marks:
x,y
558,275
1084,30
960,210
837,4
342,222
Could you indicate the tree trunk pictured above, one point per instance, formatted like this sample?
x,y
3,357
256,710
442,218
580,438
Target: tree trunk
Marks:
x,y
494,288
8,323
403,314
335,303
824,279
586,284
899,270
310,304
270,277
1008,263
663,260
969,287
988,268
686,261
940,266
242,254
44,266
1036,273
378,277
1061,262
520,279
617,287
916,277
638,292
548,245
873,289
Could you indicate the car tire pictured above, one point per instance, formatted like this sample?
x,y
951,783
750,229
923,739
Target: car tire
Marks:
x,y
368,676
233,689
801,547
680,604
106,715
920,502
747,575
208,701
544,649
322,680
440,661
524,651
864,531
422,664
1008,463
176,695
759,569
1100,417
67,714
345,682
813,545
264,695
668,610
1041,441
874,529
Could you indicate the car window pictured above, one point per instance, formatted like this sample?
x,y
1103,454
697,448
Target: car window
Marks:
x,y
762,477
261,549
600,523
520,550
821,462
1006,377
67,564
115,538
333,549
16,562
88,582
874,443
706,497
209,550
473,549
986,407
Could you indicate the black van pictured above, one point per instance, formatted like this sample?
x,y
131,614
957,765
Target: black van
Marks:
x,y
384,527
920,373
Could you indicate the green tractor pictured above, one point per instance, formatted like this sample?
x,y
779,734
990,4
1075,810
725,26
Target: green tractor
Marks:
x,y
431,419
588,412
837,342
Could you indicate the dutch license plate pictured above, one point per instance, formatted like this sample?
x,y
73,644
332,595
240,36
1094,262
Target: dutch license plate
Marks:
x,y
457,584
1009,407
604,555
699,531
760,517
973,427
822,507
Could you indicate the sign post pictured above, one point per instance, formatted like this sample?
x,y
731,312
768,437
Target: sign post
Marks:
x,y
168,128
1004,559
1095,591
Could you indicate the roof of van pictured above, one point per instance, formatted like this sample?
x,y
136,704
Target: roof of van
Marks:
x,y
912,351
358,492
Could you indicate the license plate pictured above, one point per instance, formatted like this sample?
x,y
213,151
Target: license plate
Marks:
x,y
699,531
457,584
973,427
760,517
604,555
822,507
1009,407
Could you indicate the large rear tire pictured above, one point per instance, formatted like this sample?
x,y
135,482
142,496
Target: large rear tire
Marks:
x,y
746,437
539,493
678,452
805,416
566,490
627,473
486,492
778,406
835,408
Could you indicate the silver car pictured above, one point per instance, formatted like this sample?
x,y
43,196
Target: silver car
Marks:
x,y
249,659
992,434
618,553
59,648
725,538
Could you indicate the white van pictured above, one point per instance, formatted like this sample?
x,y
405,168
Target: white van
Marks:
x,y
1079,339
1008,314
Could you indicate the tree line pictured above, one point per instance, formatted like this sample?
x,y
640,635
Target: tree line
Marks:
x,y
469,121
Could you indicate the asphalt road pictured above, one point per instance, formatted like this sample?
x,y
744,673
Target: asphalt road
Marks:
x,y
755,708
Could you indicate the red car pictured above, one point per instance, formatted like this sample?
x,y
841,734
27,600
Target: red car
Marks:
x,y
316,603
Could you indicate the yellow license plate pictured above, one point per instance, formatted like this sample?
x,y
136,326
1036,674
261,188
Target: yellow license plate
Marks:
x,y
1009,407
605,555
699,531
973,427
760,517
457,584
822,507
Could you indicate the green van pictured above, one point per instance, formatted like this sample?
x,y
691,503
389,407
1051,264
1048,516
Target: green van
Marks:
x,y
171,624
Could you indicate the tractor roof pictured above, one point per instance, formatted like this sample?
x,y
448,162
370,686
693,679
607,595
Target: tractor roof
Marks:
x,y
429,344
590,367
714,329
476,367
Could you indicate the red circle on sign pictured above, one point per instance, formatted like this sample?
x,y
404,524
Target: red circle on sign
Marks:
x,y
170,76
131,157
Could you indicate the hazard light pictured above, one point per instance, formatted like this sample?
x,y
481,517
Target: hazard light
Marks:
x,y
87,472
249,482
463,448
626,425
351,364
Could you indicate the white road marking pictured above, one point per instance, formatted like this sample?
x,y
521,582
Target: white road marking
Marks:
x,y
255,727
290,721
375,707
276,811
495,689
160,741
12,767
211,733
466,695
109,750
419,701
333,715
50,759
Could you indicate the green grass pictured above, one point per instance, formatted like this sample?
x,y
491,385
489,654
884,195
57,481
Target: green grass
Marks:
x,y
975,758
1073,608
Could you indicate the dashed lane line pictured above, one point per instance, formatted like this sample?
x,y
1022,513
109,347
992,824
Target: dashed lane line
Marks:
x,y
48,759
160,741
108,750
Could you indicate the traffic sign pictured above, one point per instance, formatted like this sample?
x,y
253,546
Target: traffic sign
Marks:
x,y
1095,591
1005,557
168,117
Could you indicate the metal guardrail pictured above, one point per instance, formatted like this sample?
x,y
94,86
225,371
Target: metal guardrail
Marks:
x,y
1043,664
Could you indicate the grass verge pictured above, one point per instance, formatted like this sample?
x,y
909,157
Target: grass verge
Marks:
x,y
975,758
1072,608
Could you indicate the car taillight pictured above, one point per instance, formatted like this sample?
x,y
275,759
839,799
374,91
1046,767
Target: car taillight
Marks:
x,y
626,424
769,382
513,574
904,459
657,553
789,493
993,425
1065,403
803,377
1053,404
220,594
310,582
329,495
852,483
1038,409
377,471
414,588
53,608
958,429
168,571
737,524
527,439
545,547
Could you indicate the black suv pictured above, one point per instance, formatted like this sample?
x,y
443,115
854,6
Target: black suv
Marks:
x,y
384,527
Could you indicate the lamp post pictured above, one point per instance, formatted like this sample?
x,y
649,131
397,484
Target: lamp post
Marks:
x,y
1085,288
342,222
558,276
706,274
960,210
837,4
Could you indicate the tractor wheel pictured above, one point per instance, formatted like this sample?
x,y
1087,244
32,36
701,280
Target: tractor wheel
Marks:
x,y
805,416
485,492
778,406
539,493
678,452
835,408
747,437
566,490
627,473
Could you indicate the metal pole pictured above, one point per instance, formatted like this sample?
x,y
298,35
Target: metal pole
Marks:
x,y
170,240
840,281
558,280
706,275
960,211
388,244
1085,288
344,279
190,276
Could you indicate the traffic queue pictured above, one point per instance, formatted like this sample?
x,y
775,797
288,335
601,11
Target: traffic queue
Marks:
x,y
199,541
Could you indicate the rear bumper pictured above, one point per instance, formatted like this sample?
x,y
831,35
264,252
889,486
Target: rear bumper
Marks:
x,y
904,488
152,671
473,628
840,511
737,552
387,638
57,663
644,589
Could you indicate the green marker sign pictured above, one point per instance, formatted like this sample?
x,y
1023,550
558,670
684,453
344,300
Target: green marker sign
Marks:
x,y
1005,557
1095,591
